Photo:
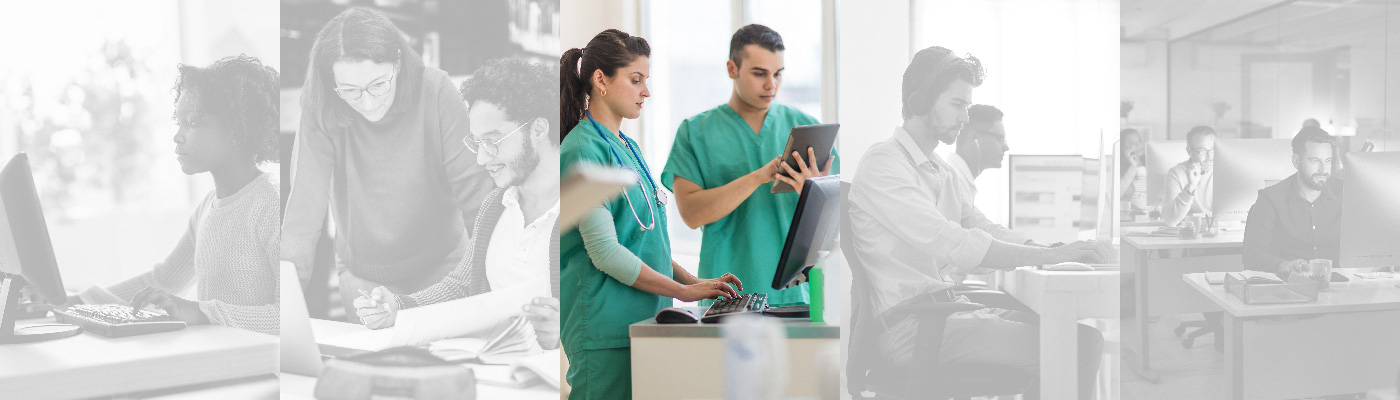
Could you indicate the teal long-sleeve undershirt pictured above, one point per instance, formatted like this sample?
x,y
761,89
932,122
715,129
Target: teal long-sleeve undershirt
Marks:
x,y
608,255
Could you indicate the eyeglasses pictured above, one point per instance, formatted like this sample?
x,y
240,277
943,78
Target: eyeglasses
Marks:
x,y
490,147
1202,151
375,89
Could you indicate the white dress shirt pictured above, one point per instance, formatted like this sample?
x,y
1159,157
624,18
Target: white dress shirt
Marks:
x,y
909,222
519,253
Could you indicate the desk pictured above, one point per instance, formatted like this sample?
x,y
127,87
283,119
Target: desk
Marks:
x,y
1062,299
294,386
90,365
1157,286
1350,332
657,372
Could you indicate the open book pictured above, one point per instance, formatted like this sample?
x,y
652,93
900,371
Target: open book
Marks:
x,y
506,345
523,372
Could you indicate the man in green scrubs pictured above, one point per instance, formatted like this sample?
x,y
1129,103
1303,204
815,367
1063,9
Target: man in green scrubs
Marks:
x,y
723,163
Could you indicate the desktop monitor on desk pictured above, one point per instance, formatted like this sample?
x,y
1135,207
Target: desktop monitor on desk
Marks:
x,y
26,256
1161,156
1242,168
813,230
1371,210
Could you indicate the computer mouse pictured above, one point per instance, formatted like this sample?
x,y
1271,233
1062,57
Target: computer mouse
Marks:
x,y
675,315
1070,266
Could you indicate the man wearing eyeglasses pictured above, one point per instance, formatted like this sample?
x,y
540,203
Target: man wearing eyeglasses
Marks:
x,y
512,124
1189,184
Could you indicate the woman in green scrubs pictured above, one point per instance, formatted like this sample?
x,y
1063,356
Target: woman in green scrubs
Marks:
x,y
615,267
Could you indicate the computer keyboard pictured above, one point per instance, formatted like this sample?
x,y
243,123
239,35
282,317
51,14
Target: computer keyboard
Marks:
x,y
115,320
748,303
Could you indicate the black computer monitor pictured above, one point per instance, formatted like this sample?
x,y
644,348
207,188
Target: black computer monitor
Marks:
x,y
813,230
1242,168
1370,215
26,255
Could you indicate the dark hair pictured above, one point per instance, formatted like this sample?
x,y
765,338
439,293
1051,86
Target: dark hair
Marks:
x,y
523,90
930,74
1200,131
983,114
1311,134
243,94
1123,155
760,35
358,34
609,51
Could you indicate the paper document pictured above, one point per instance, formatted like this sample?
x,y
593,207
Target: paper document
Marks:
x,y
472,315
524,372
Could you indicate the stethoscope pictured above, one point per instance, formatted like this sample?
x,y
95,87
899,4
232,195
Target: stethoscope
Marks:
x,y
660,197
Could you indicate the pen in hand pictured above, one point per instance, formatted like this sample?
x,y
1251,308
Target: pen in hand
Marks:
x,y
374,302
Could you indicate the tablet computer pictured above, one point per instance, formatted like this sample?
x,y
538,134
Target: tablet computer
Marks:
x,y
819,137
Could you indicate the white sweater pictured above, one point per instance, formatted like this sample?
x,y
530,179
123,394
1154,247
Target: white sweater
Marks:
x,y
232,246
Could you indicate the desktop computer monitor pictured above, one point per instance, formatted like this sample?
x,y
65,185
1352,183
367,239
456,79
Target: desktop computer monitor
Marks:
x,y
1242,168
1161,156
25,250
1370,215
813,229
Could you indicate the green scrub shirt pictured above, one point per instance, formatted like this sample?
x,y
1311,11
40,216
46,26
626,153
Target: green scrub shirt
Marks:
x,y
595,308
715,148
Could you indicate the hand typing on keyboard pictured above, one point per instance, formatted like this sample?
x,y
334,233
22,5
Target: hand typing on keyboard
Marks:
x,y
178,308
697,289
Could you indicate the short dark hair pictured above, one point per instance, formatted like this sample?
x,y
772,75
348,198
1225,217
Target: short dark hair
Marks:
x,y
1311,134
523,90
1199,131
760,35
980,114
930,74
244,95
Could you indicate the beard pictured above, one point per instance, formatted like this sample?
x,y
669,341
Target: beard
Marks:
x,y
522,166
944,131
1317,181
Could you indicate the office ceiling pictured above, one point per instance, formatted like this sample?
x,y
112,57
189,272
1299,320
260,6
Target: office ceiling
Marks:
x,y
1302,23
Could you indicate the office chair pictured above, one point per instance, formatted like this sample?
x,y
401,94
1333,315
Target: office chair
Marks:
x,y
1210,325
925,378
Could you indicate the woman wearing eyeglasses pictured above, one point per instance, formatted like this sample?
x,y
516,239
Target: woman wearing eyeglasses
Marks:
x,y
380,146
615,267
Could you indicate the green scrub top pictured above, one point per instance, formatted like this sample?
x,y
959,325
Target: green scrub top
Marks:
x,y
715,148
596,309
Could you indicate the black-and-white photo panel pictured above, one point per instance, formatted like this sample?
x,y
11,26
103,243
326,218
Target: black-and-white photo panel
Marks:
x,y
1258,165
421,222
141,208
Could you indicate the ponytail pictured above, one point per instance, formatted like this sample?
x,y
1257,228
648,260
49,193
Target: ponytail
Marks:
x,y
573,92
609,51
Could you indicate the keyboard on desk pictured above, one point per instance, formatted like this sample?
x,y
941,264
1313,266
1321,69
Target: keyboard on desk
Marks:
x,y
744,304
115,320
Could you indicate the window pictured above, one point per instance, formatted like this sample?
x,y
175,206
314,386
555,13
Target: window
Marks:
x,y
690,44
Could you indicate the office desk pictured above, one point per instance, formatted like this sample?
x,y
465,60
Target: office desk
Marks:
x,y
1062,299
294,386
1157,286
90,365
1345,342
686,361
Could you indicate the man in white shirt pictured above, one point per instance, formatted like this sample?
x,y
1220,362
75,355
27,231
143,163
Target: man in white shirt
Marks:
x,y
910,221
1190,184
981,145
513,120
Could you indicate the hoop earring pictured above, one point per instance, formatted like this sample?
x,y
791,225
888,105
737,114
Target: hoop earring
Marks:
x,y
605,93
